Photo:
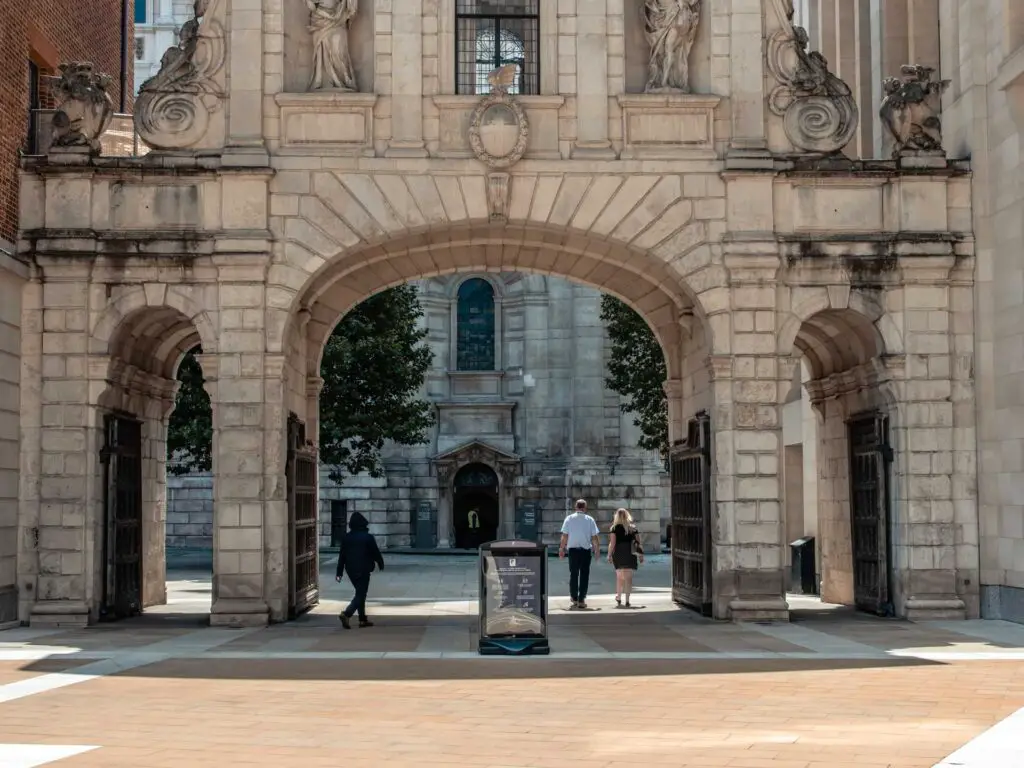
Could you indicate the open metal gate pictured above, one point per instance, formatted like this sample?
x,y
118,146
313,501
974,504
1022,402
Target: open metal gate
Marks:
x,y
122,542
690,464
870,463
303,523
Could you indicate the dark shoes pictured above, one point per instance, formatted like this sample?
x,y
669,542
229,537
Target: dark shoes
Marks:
x,y
346,621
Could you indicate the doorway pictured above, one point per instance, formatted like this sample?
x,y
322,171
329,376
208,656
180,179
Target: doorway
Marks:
x,y
122,542
475,511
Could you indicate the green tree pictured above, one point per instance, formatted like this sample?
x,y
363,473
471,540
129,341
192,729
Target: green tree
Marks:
x,y
373,367
190,431
637,372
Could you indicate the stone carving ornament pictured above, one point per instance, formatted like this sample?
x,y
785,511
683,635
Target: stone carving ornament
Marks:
x,y
671,27
332,61
818,111
85,108
910,110
174,106
498,128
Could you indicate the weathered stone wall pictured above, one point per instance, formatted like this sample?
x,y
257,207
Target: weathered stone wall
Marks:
x,y
984,117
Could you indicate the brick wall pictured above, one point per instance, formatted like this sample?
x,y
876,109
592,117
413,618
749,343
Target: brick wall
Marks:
x,y
48,32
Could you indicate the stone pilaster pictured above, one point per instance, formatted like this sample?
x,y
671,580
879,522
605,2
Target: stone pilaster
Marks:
x,y
245,145
592,79
748,146
63,544
407,80
926,537
234,382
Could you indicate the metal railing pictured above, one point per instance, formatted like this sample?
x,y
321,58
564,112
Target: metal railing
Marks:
x,y
119,140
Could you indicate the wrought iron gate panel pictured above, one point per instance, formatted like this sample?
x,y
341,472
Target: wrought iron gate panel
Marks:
x,y
690,465
303,522
870,459
122,459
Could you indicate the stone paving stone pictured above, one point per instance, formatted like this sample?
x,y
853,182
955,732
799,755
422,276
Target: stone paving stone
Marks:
x,y
488,713
13,671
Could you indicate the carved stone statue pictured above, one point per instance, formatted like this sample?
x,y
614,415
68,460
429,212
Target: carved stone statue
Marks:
x,y
671,27
332,63
174,106
910,110
85,108
818,110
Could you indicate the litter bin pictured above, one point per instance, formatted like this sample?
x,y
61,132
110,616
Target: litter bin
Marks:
x,y
425,530
513,598
802,578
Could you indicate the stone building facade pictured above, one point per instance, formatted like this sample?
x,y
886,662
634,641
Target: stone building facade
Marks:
x,y
695,169
37,37
156,25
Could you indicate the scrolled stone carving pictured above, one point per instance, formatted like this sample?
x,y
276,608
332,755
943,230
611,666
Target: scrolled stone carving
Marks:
x,y
818,110
671,28
910,110
174,107
498,128
85,108
332,60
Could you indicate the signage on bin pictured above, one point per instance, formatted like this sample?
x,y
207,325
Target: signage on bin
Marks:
x,y
513,598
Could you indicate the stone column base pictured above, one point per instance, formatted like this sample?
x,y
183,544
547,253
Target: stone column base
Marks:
x,y
238,614
741,610
941,609
72,614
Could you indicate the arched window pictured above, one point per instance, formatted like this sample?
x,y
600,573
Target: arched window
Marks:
x,y
475,326
489,58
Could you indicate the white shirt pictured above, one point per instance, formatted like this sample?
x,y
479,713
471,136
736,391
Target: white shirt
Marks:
x,y
580,527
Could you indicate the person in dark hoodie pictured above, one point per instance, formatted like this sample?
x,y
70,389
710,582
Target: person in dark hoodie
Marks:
x,y
357,557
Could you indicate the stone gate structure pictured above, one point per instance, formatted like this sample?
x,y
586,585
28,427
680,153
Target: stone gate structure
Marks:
x,y
659,158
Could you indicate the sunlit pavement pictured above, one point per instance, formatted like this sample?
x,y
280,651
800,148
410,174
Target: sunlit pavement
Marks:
x,y
650,686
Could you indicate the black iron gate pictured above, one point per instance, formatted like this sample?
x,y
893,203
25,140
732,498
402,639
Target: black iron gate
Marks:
x,y
122,542
870,461
690,464
303,525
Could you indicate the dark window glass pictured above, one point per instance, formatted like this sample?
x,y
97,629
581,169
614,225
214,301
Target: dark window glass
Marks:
x,y
32,140
475,334
492,33
140,11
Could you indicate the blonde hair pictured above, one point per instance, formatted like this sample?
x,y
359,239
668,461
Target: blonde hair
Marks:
x,y
623,518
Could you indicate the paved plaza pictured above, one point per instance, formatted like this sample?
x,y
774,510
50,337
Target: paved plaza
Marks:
x,y
653,686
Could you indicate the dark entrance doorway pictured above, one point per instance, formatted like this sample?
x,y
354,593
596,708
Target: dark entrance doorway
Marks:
x,y
870,463
304,543
690,464
122,542
475,512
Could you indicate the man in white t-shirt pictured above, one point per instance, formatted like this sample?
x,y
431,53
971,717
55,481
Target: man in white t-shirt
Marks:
x,y
580,541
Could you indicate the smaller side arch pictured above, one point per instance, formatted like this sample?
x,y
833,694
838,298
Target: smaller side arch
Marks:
x,y
137,300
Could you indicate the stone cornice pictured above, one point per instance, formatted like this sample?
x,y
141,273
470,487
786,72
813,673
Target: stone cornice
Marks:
x,y
868,375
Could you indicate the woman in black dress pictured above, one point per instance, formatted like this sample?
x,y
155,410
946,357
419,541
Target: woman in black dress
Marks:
x,y
624,553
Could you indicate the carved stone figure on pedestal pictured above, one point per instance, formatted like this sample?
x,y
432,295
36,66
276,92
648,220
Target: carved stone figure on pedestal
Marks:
x,y
85,108
910,110
818,111
332,62
174,106
671,27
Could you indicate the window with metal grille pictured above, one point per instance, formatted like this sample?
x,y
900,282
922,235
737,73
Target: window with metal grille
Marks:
x,y
492,33
475,334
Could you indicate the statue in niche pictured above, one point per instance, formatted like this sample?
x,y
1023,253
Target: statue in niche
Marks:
x,y
332,63
671,27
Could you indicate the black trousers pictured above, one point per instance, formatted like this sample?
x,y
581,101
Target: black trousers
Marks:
x,y
358,604
579,573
